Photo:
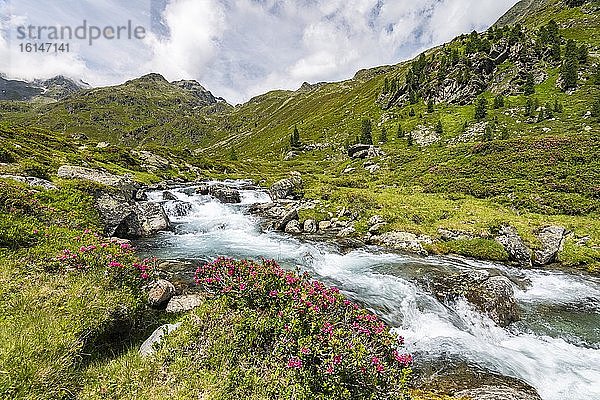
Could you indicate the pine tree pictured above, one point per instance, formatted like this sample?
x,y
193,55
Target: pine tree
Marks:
x,y
430,106
400,133
383,135
295,138
409,140
439,127
498,101
583,54
411,112
505,133
481,108
529,86
386,85
366,136
570,67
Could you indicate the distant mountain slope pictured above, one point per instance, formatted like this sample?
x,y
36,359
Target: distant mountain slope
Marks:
x,y
56,88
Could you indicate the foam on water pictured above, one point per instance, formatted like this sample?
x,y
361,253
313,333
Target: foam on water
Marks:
x,y
558,368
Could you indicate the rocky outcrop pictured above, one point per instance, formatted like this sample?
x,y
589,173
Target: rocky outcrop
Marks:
x,y
179,208
149,346
123,183
225,194
490,295
289,188
403,241
364,151
128,219
31,181
517,251
160,294
551,239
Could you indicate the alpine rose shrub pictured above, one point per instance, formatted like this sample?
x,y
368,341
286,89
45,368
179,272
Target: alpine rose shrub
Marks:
x,y
113,258
330,342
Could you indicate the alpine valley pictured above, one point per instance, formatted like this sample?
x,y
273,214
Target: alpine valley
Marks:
x,y
426,230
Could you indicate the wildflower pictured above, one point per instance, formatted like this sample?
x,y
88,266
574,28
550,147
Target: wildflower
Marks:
x,y
327,328
144,275
305,350
273,293
379,368
337,360
329,370
294,362
242,286
375,360
404,359
115,264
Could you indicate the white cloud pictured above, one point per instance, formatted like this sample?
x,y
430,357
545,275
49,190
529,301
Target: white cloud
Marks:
x,y
241,48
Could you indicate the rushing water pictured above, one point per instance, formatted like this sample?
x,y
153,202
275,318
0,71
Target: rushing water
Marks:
x,y
555,348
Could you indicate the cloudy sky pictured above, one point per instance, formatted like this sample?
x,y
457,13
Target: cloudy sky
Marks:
x,y
236,48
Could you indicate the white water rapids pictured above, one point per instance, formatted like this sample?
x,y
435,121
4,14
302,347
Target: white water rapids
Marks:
x,y
555,348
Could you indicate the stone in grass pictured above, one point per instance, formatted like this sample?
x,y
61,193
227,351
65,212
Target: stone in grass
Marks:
x,y
160,294
183,303
149,346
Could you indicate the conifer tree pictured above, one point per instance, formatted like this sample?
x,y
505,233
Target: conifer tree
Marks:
x,y
558,107
383,135
295,138
430,106
529,107
232,154
529,86
570,66
481,108
505,133
409,140
366,136
596,108
411,112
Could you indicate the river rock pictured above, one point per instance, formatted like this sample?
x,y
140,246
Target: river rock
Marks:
x,y
459,379
491,295
180,208
324,225
310,226
166,195
31,181
225,194
183,303
289,188
151,218
348,231
203,189
514,246
404,241
160,293
148,347
552,239
293,227
289,216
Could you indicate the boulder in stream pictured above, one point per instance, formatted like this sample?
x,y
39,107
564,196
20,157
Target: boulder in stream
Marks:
x,y
225,194
289,188
514,246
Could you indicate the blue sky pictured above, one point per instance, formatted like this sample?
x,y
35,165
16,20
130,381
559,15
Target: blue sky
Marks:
x,y
239,48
